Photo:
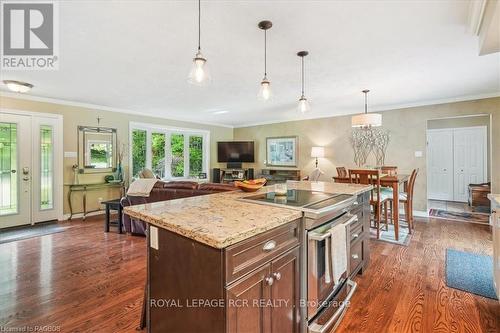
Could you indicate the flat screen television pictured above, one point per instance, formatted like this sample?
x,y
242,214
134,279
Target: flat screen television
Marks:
x,y
235,151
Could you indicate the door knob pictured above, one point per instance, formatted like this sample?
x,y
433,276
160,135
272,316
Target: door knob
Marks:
x,y
13,171
26,171
269,281
277,276
355,256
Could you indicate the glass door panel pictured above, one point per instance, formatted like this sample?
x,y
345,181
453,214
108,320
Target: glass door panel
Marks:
x,y
139,141
8,169
46,168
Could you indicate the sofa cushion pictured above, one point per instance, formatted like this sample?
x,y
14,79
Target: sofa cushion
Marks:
x,y
217,187
181,184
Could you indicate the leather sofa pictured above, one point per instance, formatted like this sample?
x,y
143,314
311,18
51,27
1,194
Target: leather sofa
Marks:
x,y
163,191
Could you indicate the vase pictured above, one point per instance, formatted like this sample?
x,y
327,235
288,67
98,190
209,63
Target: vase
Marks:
x,y
75,177
119,172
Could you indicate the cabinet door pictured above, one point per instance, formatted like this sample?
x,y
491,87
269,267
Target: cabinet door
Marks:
x,y
245,312
285,293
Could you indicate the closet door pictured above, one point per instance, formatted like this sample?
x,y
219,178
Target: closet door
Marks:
x,y
440,164
469,159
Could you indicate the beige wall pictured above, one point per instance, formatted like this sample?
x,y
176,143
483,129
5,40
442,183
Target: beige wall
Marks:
x,y
74,116
407,130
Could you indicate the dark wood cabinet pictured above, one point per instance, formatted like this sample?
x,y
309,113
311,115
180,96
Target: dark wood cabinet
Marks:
x,y
251,286
244,312
359,237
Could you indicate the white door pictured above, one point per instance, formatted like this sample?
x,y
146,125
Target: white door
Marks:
x,y
15,170
30,168
440,164
469,159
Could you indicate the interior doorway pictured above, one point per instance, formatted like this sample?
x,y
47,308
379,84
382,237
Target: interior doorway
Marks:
x,y
458,155
31,168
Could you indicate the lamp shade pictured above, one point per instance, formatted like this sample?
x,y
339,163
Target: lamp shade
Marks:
x,y
318,152
367,120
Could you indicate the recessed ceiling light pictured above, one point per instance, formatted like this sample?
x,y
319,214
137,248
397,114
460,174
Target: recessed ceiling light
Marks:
x,y
18,86
220,112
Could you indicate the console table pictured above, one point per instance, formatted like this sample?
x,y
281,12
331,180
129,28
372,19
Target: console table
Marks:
x,y
84,188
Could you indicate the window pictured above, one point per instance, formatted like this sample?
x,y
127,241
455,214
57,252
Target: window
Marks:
x,y
138,151
171,153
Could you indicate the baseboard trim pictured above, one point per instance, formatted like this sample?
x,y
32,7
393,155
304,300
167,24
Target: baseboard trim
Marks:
x,y
80,215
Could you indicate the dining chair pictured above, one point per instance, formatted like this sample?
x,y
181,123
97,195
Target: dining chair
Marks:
x,y
389,170
342,176
341,172
378,200
406,198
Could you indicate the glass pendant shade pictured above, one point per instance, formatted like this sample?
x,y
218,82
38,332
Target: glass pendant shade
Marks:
x,y
265,90
18,86
304,105
367,120
199,74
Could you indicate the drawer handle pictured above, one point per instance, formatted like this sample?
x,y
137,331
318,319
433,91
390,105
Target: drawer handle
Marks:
x,y
355,256
269,281
269,246
355,236
277,276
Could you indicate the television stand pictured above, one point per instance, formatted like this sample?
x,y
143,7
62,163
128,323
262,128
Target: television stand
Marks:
x,y
230,175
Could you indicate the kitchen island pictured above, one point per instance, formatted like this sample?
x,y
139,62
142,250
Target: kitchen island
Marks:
x,y
217,263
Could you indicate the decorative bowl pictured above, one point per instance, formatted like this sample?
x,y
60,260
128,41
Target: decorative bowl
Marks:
x,y
251,185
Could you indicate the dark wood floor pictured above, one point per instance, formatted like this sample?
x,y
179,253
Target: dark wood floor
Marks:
x,y
85,280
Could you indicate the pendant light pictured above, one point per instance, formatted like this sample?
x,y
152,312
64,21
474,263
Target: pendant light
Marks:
x,y
265,84
303,106
366,120
18,86
199,74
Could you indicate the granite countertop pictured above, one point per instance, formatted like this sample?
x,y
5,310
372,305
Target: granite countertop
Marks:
x,y
221,219
495,198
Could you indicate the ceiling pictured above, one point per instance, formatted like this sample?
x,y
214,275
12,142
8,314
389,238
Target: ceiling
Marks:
x,y
135,56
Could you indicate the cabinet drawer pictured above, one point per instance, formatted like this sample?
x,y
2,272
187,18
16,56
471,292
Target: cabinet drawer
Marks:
x,y
356,255
358,211
249,254
357,232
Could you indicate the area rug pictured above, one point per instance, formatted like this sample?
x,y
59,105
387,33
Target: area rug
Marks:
x,y
459,216
470,272
389,236
37,230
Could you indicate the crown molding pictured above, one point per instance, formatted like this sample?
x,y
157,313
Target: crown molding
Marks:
x,y
101,107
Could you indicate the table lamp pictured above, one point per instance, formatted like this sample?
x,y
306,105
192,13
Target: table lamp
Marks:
x,y
317,152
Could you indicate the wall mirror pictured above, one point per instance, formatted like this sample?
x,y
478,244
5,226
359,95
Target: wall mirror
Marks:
x,y
97,149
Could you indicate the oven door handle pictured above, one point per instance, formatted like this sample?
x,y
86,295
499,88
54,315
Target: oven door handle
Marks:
x,y
335,319
320,237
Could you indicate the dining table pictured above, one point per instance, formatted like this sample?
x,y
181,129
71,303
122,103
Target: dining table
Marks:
x,y
394,181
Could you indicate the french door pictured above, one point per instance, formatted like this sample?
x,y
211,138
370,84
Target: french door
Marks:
x,y
30,168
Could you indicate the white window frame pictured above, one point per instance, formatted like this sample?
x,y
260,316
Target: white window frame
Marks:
x,y
168,131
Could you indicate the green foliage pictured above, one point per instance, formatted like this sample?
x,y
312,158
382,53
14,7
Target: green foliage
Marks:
x,y
195,155
138,151
177,146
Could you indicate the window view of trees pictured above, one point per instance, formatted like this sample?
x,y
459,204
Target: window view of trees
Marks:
x,y
177,147
158,154
138,151
168,153
195,155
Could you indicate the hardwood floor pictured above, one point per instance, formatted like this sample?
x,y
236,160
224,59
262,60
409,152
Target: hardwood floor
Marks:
x,y
85,280
404,289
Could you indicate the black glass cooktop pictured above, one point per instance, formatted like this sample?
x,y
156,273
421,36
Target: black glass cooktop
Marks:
x,y
296,198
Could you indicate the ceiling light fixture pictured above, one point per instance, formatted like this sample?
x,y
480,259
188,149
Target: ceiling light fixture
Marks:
x,y
18,86
265,84
366,120
303,106
199,74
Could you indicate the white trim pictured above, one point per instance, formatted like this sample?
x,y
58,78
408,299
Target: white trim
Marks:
x,y
381,109
31,113
65,217
103,108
